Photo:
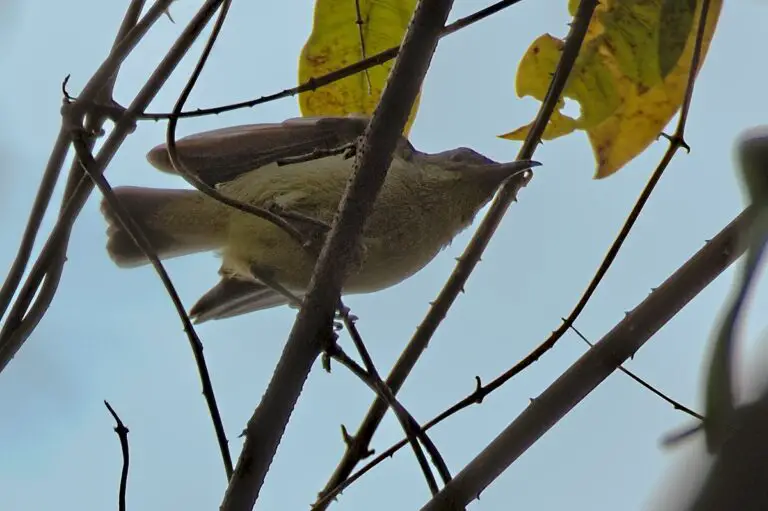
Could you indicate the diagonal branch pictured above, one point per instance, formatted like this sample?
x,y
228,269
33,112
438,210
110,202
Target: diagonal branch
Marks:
x,y
321,81
267,425
472,254
621,343
137,235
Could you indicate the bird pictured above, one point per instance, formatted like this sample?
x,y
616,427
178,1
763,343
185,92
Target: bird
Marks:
x,y
299,166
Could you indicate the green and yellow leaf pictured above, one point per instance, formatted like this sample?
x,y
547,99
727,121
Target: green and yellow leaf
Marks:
x,y
629,79
337,40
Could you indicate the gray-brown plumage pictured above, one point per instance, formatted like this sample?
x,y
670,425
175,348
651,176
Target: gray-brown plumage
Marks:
x,y
426,200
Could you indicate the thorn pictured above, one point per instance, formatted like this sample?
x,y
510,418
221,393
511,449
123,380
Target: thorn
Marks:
x,y
368,453
326,361
627,313
168,13
707,241
349,440
461,290
478,390
243,434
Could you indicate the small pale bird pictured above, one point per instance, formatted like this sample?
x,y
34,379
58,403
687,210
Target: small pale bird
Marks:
x,y
295,166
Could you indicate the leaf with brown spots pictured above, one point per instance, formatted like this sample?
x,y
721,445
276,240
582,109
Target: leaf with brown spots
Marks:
x,y
629,79
339,38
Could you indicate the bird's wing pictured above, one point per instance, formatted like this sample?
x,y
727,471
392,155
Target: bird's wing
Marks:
x,y
232,297
222,155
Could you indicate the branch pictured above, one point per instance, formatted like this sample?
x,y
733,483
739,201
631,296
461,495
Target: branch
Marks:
x,y
675,404
122,434
621,343
411,428
321,81
374,156
472,254
137,235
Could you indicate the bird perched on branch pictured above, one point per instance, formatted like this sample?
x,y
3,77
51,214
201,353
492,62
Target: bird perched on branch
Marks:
x,y
301,167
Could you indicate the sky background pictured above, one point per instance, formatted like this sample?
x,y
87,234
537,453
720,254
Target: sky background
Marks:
x,y
113,334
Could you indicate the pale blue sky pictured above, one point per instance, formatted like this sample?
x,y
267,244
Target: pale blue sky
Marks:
x,y
112,334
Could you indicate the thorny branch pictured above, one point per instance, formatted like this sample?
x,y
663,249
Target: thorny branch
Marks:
x,y
374,155
122,434
409,424
472,254
621,343
137,235
334,76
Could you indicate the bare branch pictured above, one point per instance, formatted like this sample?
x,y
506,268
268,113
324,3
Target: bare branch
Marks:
x,y
675,404
472,254
137,235
597,364
334,76
408,423
266,426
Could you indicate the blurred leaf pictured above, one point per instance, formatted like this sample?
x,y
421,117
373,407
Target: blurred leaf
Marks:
x,y
752,152
336,42
630,76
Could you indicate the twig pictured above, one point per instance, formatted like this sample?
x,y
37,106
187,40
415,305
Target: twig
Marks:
x,y
411,428
321,81
675,404
407,421
374,156
178,164
596,365
122,434
473,252
137,235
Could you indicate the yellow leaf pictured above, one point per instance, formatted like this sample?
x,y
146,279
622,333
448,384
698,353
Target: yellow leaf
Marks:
x,y
337,41
629,79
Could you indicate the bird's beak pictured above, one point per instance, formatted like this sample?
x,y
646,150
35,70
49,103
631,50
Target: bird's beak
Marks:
x,y
500,171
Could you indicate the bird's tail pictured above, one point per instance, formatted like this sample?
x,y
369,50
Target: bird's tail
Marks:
x,y
175,222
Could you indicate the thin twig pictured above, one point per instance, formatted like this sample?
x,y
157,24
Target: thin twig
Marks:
x,y
410,426
473,252
177,162
122,434
675,404
267,425
406,419
621,343
321,81
363,54
139,238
